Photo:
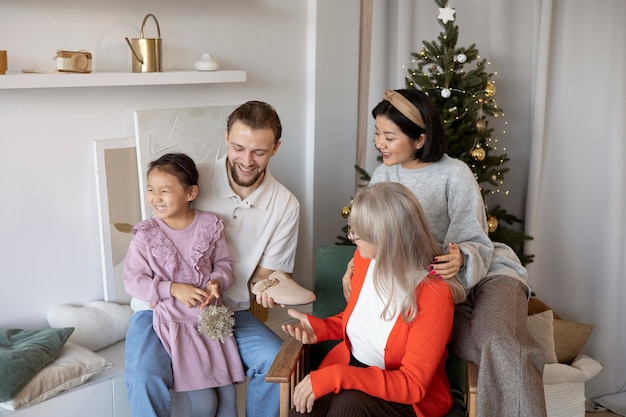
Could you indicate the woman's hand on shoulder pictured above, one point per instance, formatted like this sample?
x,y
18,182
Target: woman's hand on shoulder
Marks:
x,y
448,265
301,331
346,280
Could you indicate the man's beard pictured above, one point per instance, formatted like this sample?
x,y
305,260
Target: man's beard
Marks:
x,y
234,173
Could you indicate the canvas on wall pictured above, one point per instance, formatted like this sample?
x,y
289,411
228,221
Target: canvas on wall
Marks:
x,y
195,131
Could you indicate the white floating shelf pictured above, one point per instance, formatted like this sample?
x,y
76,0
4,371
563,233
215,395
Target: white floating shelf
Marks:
x,y
19,80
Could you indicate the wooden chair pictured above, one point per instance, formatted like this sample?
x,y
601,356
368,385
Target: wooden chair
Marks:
x,y
294,359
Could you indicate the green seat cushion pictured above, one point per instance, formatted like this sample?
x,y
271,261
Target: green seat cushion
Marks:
x,y
23,353
330,266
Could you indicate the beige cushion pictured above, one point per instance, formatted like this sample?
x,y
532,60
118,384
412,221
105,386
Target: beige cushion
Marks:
x,y
541,328
570,339
73,367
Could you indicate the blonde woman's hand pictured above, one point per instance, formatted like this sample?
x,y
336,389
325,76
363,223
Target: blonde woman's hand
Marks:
x,y
301,331
303,396
346,281
448,265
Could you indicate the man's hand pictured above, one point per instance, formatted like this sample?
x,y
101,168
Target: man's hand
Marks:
x,y
263,299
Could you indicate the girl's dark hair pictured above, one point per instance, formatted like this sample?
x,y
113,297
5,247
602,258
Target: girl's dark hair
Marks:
x,y
436,143
179,165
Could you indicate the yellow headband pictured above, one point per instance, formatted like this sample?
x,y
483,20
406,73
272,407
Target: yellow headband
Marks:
x,y
404,106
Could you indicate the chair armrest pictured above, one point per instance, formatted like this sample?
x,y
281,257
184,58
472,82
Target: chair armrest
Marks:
x,y
288,368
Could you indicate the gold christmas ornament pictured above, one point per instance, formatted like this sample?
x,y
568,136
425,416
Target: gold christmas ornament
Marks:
x,y
478,153
345,212
492,222
490,89
481,125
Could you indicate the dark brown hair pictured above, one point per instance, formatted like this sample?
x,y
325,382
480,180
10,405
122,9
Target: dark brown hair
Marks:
x,y
256,115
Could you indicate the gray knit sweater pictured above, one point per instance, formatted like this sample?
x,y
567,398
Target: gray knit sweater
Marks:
x,y
451,199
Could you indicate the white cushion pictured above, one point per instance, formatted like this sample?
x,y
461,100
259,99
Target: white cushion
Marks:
x,y
582,369
564,386
71,368
97,324
565,400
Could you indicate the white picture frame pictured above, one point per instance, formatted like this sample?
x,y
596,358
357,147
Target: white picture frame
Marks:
x,y
119,208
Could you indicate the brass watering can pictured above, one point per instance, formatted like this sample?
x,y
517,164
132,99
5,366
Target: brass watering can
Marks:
x,y
146,52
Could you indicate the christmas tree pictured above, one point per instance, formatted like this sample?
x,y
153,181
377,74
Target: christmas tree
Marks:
x,y
456,79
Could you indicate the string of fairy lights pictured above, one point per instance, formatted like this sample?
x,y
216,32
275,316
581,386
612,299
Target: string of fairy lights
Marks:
x,y
453,114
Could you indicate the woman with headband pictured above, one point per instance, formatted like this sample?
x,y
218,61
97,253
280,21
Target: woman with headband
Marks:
x,y
490,325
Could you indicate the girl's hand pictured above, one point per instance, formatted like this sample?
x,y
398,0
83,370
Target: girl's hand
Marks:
x,y
213,289
303,396
188,294
447,266
301,331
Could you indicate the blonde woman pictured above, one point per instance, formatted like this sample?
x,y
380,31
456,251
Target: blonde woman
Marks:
x,y
396,325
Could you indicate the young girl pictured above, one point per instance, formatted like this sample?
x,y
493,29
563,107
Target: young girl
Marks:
x,y
179,262
396,325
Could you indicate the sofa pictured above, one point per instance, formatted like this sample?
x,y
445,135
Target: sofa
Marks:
x,y
84,376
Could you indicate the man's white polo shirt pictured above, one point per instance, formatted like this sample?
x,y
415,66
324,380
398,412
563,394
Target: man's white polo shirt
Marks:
x,y
260,230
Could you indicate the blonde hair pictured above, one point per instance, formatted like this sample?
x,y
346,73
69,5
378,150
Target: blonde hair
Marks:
x,y
388,215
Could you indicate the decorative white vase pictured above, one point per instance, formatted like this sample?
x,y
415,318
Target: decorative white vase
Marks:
x,y
206,63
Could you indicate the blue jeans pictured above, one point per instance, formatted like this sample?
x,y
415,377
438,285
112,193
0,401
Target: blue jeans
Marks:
x,y
149,367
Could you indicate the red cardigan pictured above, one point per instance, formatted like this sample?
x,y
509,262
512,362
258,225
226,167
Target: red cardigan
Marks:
x,y
415,353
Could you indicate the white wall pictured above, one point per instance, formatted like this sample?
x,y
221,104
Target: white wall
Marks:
x,y
299,56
